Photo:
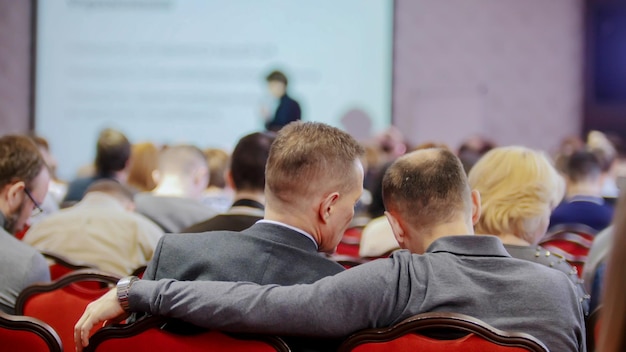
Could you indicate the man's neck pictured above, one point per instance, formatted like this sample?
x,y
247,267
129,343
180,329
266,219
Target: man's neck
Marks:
x,y
590,189
174,187
252,195
454,228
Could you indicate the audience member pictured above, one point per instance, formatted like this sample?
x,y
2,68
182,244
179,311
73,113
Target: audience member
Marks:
x,y
217,195
24,179
612,338
583,203
181,177
288,110
301,218
606,152
112,154
246,176
472,150
431,209
519,187
101,229
144,160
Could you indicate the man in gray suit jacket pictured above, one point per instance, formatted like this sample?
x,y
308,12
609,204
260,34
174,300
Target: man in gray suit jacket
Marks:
x,y
302,218
431,210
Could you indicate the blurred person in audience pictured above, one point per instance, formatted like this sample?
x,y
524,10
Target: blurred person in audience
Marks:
x,y
445,268
519,187
102,229
288,110
612,337
246,176
377,238
472,150
218,194
24,180
567,147
583,203
112,155
301,218
392,144
57,188
181,177
603,148
144,160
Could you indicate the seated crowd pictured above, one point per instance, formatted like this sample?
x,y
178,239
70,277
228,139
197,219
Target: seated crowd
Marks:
x,y
261,249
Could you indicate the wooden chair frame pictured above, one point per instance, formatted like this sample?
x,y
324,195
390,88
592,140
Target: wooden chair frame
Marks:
x,y
149,322
33,325
455,321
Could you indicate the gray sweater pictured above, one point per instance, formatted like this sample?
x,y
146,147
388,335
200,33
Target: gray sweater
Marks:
x,y
472,275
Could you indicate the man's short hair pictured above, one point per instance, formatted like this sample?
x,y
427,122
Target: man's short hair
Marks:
x,y
112,151
113,188
583,165
426,187
20,160
248,161
277,76
181,160
307,156
518,187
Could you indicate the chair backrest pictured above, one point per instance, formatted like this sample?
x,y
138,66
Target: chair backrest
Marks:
x,y
408,335
146,335
593,327
62,302
60,265
20,333
571,241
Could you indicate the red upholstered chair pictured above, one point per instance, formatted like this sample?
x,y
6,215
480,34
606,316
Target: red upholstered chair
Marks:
x,y
20,333
61,303
60,265
571,241
408,335
146,335
593,327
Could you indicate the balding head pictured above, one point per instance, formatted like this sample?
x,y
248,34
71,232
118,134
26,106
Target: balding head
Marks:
x,y
427,188
181,160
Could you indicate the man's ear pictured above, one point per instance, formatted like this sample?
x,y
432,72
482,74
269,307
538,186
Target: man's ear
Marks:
x,y
396,228
13,194
228,177
476,209
326,206
156,177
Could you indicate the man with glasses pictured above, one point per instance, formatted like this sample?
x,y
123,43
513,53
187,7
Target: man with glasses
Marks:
x,y
24,180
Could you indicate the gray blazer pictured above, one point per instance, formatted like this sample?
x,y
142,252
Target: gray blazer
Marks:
x,y
263,254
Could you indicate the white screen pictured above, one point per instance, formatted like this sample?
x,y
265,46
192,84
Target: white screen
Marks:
x,y
193,71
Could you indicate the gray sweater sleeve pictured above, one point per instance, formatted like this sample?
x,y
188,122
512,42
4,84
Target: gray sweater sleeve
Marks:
x,y
365,296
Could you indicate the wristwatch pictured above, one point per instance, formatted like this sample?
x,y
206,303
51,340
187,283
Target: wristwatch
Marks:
x,y
123,289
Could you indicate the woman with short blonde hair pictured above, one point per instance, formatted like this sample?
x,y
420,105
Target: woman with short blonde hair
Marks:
x,y
518,188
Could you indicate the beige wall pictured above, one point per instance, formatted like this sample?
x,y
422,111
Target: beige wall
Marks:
x,y
14,65
507,69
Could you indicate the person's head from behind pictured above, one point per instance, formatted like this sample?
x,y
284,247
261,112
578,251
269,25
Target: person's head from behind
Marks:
x,y
519,187
112,152
314,174
218,160
144,160
277,83
120,192
24,179
247,165
583,167
426,195
182,170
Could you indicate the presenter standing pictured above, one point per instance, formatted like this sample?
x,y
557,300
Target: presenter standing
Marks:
x,y
288,110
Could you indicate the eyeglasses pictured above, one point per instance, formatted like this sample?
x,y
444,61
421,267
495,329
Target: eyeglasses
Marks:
x,y
37,210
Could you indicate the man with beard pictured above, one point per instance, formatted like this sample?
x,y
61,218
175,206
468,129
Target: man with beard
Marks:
x,y
24,180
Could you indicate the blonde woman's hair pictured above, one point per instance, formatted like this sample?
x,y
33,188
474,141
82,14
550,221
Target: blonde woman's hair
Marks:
x,y
519,187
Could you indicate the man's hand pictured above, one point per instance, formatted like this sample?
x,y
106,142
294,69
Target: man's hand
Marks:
x,y
104,308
